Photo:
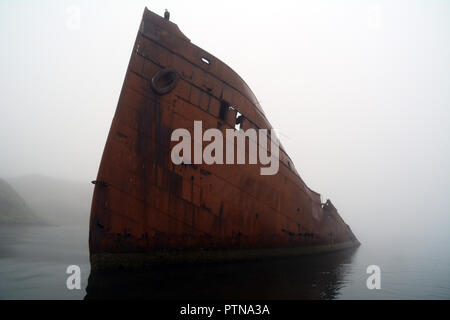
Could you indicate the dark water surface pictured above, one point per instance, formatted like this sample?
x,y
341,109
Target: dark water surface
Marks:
x,y
33,262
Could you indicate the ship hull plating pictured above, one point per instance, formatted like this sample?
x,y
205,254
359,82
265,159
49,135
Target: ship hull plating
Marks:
x,y
148,210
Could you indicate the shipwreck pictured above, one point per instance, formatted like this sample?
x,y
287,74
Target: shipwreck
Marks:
x,y
148,209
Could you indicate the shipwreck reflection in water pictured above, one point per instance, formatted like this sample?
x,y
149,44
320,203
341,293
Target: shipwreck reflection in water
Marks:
x,y
311,277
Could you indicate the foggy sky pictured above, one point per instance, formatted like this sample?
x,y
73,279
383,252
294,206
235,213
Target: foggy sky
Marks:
x,y
359,91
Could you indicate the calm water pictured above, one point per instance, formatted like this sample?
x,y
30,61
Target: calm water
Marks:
x,y
33,261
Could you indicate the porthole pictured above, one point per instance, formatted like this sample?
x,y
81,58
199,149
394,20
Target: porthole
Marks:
x,y
164,81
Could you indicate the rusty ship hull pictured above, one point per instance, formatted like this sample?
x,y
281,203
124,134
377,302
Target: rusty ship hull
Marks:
x,y
148,210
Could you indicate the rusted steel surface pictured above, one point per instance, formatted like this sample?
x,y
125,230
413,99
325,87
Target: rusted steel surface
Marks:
x,y
143,203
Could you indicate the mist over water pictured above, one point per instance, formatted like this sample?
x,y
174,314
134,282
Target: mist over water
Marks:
x,y
357,89
34,262
34,259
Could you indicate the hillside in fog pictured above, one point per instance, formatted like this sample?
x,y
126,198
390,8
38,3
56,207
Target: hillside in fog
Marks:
x,y
13,208
59,201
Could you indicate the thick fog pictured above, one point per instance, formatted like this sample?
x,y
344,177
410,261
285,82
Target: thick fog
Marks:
x,y
359,91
